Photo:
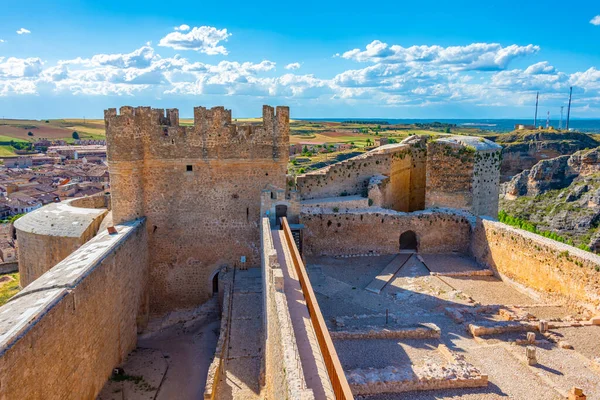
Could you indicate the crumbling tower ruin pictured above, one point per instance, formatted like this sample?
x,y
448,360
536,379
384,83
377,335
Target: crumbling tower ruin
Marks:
x,y
199,188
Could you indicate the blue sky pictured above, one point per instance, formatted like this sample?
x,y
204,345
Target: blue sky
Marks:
x,y
389,59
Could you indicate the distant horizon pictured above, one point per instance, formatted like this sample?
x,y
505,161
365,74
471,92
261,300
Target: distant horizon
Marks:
x,y
340,119
79,58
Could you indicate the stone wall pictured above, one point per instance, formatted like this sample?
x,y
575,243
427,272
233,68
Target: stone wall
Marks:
x,y
61,336
352,176
284,376
199,188
486,183
49,234
342,233
556,269
463,172
449,175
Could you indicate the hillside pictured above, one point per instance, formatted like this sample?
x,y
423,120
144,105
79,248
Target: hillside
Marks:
x,y
560,195
523,149
32,130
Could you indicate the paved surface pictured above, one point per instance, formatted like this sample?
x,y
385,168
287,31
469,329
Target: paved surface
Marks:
x,y
313,366
385,276
415,296
243,362
171,363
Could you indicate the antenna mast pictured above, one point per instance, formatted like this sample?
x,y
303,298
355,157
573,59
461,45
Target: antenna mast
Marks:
x,y
537,95
569,109
548,120
561,118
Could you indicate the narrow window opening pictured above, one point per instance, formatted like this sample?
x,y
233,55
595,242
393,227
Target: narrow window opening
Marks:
x,y
189,168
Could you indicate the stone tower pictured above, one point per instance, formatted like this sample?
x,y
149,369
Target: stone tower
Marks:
x,y
199,188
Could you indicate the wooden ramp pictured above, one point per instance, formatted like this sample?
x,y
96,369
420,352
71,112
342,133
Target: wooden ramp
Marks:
x,y
385,276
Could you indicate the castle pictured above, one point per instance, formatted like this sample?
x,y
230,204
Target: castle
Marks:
x,y
208,211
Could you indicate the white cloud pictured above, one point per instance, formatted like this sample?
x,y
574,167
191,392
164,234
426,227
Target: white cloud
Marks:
x,y
182,28
293,66
595,20
139,58
23,31
20,67
540,68
427,75
2,41
476,56
204,39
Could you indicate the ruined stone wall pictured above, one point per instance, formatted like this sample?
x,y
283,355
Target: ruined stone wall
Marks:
x,y
550,267
377,231
199,188
61,336
449,175
284,376
351,177
486,183
418,176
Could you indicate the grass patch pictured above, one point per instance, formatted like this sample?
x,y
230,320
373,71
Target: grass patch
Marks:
x,y
7,151
10,288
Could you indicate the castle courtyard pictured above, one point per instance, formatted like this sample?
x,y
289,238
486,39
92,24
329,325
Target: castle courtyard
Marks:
x,y
443,297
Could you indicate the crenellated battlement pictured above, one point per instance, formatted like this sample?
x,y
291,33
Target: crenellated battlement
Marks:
x,y
144,132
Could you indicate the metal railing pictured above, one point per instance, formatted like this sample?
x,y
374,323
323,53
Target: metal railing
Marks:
x,y
335,371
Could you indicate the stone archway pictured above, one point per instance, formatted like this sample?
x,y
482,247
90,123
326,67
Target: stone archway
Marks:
x,y
408,241
280,211
215,282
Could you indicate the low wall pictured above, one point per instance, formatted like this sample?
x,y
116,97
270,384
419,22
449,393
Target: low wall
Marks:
x,y
100,200
372,230
9,267
217,364
560,271
61,336
284,376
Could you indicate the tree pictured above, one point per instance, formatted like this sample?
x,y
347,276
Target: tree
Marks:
x,y
75,135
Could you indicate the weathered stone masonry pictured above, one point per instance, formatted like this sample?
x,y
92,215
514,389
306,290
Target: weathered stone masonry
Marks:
x,y
377,231
62,335
199,188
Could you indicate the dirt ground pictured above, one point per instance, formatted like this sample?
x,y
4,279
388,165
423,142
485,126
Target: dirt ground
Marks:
x,y
415,296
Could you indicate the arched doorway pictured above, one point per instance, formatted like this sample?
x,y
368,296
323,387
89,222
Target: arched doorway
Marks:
x,y
280,211
215,283
408,241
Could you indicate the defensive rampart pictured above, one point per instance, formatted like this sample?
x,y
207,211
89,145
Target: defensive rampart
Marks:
x,y
63,334
283,371
556,269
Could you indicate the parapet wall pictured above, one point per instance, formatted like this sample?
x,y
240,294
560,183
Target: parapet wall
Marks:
x,y
49,234
146,133
329,233
283,372
199,188
560,271
61,336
